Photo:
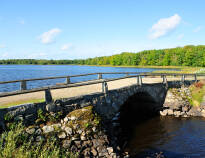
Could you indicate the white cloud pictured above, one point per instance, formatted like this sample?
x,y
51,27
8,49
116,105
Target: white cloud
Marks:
x,y
164,26
180,36
197,29
66,46
48,37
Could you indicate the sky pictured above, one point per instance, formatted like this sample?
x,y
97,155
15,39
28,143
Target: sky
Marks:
x,y
78,29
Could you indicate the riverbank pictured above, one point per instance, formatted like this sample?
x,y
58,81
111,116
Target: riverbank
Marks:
x,y
185,101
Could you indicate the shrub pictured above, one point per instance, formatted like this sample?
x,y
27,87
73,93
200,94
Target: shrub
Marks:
x,y
199,84
16,144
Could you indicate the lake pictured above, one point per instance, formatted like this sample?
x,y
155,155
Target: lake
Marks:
x,y
18,72
175,137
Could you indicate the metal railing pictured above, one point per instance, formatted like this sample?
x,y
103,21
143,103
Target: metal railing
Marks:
x,y
68,84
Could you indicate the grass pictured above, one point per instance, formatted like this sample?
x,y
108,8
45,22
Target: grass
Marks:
x,y
197,92
185,70
16,144
22,102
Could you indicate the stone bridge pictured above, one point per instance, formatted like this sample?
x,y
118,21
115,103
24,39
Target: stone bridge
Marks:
x,y
137,98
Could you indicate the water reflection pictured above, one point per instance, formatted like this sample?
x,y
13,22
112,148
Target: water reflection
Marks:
x,y
174,136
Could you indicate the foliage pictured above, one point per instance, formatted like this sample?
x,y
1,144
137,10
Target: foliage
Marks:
x,y
41,115
197,92
16,144
181,56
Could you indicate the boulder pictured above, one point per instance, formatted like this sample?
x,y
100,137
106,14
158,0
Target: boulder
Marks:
x,y
67,143
48,129
68,130
170,112
30,130
164,112
62,135
177,113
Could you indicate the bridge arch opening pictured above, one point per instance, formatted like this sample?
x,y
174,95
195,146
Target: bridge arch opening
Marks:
x,y
139,107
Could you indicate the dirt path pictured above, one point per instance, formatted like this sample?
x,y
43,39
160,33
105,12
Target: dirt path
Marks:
x,y
75,91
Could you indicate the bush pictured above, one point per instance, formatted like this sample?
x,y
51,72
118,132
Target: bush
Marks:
x,y
199,85
17,144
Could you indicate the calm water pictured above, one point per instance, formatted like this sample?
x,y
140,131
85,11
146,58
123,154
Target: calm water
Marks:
x,y
177,138
17,72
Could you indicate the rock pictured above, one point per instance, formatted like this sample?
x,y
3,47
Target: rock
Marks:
x,y
68,130
75,137
87,143
83,137
73,118
163,113
194,111
66,119
57,126
30,130
76,126
96,142
74,149
86,152
78,143
94,129
110,150
177,113
94,152
51,107
38,131
182,113
62,135
203,113
48,129
67,143
18,118
102,151
39,138
185,109
79,131
170,112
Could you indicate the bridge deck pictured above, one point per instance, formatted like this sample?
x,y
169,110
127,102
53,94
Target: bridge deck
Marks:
x,y
76,91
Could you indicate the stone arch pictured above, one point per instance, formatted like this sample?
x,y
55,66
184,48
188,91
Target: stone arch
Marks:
x,y
139,106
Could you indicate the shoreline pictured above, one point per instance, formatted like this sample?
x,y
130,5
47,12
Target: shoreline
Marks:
x,y
128,66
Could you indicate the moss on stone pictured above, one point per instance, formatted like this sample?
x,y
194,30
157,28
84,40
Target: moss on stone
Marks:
x,y
85,118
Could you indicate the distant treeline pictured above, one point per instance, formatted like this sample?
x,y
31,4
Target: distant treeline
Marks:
x,y
180,56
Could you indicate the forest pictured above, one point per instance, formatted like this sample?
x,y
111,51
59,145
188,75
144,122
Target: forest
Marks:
x,y
181,56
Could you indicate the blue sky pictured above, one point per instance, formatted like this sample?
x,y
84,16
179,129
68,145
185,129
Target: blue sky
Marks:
x,y
73,29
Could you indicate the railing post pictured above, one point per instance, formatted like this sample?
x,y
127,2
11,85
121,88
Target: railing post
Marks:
x,y
164,79
104,87
67,79
195,78
99,76
23,85
48,96
139,80
183,78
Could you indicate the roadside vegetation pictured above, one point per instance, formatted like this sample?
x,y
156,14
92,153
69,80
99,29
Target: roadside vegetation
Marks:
x,y
197,93
22,102
15,143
